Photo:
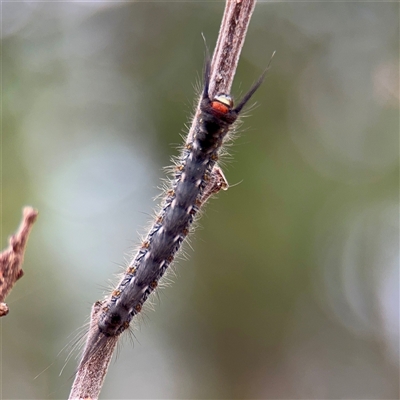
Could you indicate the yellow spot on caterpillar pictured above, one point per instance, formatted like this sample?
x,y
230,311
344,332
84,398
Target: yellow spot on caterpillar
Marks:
x,y
138,307
153,284
214,157
106,308
116,293
170,259
159,220
179,168
126,325
131,270
185,231
170,192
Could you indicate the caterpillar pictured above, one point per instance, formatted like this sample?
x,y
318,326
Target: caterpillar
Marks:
x,y
196,177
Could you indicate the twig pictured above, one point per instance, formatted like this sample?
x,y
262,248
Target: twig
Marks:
x,y
94,363
12,258
90,376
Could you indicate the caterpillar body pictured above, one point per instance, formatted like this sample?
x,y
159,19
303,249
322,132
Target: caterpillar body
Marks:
x,y
196,178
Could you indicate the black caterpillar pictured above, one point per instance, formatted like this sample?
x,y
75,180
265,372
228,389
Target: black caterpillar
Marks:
x,y
196,178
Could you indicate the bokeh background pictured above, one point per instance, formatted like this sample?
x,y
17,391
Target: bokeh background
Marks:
x,y
290,289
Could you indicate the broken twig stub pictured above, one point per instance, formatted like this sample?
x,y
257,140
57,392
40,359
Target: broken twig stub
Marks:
x,y
11,259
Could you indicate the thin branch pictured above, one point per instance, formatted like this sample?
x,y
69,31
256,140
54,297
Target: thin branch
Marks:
x,y
90,376
12,258
94,364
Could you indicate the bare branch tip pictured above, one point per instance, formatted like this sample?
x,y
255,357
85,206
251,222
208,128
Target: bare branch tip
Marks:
x,y
30,214
3,309
11,259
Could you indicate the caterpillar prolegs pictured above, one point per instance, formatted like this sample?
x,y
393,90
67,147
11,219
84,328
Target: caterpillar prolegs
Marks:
x,y
196,177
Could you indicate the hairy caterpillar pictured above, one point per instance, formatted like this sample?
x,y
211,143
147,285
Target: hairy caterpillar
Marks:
x,y
196,178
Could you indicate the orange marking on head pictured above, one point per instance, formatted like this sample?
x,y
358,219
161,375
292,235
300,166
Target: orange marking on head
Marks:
x,y
217,106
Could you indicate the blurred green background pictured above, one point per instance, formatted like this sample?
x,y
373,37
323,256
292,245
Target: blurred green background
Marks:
x,y
290,288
